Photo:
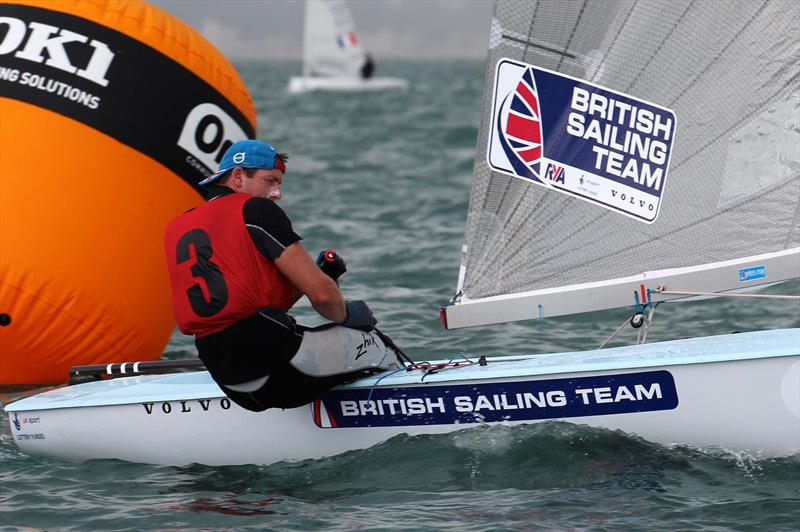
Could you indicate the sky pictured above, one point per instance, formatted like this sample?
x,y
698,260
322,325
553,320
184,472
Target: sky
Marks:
x,y
389,29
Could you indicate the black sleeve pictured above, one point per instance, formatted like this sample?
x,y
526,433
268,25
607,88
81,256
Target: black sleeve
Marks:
x,y
269,227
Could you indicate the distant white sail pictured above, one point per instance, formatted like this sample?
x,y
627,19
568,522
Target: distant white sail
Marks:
x,y
729,212
333,57
331,46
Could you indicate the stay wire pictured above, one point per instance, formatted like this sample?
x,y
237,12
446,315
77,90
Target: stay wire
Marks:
x,y
615,333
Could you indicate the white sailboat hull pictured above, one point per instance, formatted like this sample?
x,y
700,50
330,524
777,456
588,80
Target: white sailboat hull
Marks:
x,y
302,84
738,392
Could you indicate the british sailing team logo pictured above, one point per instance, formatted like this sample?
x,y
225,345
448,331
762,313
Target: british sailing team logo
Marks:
x,y
519,127
577,138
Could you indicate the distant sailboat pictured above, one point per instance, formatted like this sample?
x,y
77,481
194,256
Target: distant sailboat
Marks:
x,y
333,58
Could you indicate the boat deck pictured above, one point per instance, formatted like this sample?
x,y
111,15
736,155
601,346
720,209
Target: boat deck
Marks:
x,y
194,385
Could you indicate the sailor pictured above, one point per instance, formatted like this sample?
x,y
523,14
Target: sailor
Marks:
x,y
368,67
236,267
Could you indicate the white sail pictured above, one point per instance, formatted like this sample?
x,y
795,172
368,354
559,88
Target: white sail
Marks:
x,y
333,56
331,46
723,215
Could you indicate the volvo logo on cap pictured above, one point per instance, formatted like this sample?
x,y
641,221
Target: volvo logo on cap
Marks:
x,y
238,158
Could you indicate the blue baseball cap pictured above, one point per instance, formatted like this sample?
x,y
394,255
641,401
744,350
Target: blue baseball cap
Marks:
x,y
247,154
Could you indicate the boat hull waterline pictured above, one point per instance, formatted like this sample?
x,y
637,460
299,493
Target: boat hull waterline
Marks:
x,y
299,85
738,392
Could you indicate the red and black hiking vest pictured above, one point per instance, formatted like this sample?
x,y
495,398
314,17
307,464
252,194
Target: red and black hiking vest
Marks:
x,y
218,276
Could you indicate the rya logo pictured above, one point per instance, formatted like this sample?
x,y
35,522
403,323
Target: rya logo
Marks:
x,y
46,44
554,173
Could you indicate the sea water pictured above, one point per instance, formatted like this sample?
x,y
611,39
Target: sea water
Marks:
x,y
384,179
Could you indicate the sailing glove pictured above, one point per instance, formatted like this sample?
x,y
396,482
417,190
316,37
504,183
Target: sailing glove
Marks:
x,y
331,264
359,316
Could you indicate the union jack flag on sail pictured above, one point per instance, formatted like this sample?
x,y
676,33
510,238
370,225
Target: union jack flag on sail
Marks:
x,y
520,127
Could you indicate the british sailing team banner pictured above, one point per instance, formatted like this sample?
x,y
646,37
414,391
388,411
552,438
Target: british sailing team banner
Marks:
x,y
580,139
599,395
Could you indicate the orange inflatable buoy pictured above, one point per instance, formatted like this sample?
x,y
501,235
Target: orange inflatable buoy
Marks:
x,y
111,112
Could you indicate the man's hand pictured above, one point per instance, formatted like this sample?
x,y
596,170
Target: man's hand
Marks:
x,y
331,264
298,266
359,316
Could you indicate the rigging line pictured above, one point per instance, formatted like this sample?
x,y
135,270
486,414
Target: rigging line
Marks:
x,y
615,333
571,36
461,355
434,369
647,322
377,381
530,27
724,294
539,46
617,33
422,366
721,52
659,47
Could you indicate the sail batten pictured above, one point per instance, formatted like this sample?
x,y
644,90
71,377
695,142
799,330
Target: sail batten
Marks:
x,y
727,70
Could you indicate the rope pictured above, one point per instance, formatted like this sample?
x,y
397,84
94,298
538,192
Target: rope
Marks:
x,y
723,294
642,336
375,384
614,334
648,316
428,367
